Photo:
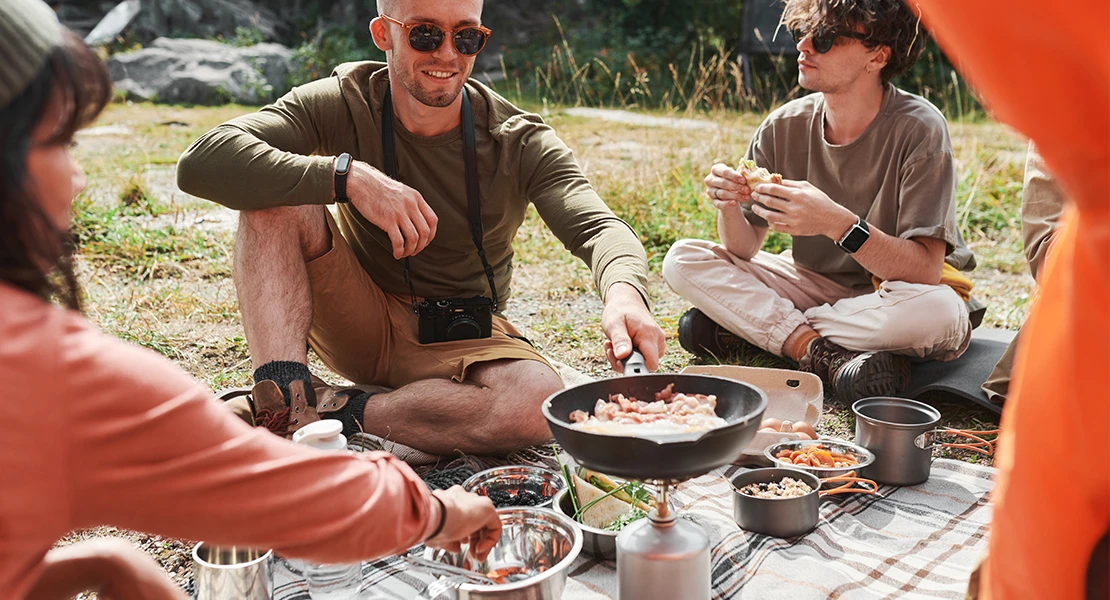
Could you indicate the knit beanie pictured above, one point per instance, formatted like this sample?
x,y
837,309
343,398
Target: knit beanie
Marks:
x,y
29,32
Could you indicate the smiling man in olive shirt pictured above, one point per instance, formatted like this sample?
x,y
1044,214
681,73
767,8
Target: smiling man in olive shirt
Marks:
x,y
340,284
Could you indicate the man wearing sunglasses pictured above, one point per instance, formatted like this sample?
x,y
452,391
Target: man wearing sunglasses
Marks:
x,y
351,287
873,277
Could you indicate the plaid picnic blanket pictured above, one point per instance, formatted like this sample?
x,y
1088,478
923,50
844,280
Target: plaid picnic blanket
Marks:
x,y
912,542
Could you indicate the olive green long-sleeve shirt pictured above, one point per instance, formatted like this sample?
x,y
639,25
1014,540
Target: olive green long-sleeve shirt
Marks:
x,y
283,155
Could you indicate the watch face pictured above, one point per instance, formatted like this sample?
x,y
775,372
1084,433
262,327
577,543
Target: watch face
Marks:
x,y
855,238
343,164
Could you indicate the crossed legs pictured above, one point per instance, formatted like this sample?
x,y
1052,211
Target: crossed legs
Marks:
x,y
496,408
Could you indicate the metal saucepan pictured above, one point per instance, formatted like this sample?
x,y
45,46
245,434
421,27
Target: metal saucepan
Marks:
x,y
673,457
788,517
902,434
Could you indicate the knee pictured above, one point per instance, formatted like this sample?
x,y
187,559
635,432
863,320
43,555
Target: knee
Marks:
x,y
281,225
939,313
519,415
682,253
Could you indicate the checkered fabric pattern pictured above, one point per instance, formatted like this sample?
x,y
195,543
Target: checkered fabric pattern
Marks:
x,y
912,542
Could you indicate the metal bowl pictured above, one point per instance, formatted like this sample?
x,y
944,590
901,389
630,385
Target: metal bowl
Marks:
x,y
536,549
861,454
514,480
598,543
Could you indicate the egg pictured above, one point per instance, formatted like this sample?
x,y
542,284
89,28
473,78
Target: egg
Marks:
x,y
771,423
804,428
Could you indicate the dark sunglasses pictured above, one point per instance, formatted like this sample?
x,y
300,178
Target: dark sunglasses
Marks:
x,y
823,40
428,37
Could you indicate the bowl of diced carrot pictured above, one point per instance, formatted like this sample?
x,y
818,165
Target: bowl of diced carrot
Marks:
x,y
823,458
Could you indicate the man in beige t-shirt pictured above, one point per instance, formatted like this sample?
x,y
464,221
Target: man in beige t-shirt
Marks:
x,y
869,199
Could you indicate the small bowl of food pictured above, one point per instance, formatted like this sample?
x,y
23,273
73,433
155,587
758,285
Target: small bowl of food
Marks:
x,y
823,458
516,486
781,503
531,560
602,507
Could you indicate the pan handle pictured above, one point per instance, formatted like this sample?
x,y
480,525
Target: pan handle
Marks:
x,y
928,440
634,364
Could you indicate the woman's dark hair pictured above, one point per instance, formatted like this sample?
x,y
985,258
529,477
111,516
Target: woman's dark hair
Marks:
x,y
34,254
885,22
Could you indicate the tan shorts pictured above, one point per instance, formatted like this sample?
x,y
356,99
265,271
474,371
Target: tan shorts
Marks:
x,y
371,337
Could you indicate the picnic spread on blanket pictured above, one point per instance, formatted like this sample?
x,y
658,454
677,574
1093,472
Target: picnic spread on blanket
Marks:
x,y
644,498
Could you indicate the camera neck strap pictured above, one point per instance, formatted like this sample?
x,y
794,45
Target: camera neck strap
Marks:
x,y
473,198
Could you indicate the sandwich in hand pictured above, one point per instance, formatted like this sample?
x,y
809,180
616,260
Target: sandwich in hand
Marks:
x,y
756,174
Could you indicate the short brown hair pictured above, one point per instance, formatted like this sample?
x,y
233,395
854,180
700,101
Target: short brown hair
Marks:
x,y
885,22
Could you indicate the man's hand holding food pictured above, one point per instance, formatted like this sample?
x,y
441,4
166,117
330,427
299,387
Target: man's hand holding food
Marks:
x,y
799,208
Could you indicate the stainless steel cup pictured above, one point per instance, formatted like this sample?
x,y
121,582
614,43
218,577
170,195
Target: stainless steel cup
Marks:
x,y
777,517
888,427
225,572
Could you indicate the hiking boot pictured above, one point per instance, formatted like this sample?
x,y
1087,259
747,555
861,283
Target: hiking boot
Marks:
x,y
701,336
854,375
267,406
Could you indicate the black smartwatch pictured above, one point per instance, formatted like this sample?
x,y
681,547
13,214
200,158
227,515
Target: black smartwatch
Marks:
x,y
342,167
856,236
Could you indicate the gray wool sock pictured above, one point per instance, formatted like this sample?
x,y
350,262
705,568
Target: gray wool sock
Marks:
x,y
351,415
283,373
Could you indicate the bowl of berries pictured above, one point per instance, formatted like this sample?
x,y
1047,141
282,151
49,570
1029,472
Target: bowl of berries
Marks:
x,y
516,485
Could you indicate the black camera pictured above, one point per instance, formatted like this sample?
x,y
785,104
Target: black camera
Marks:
x,y
455,319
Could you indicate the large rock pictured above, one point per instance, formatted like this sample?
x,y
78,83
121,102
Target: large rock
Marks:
x,y
202,72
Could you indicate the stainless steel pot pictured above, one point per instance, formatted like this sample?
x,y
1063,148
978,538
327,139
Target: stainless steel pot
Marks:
x,y
888,427
777,517
902,434
222,572
598,543
788,517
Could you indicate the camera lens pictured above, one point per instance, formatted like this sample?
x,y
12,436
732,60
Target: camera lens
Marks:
x,y
463,328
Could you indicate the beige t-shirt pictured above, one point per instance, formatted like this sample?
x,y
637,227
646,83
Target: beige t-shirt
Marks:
x,y
899,175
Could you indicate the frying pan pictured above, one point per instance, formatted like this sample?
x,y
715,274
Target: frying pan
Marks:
x,y
674,457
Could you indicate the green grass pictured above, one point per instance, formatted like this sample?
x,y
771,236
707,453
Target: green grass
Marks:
x,y
111,238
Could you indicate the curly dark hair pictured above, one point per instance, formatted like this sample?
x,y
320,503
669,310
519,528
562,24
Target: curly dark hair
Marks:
x,y
34,255
885,22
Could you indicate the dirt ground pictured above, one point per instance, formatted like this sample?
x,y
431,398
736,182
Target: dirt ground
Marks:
x,y
156,262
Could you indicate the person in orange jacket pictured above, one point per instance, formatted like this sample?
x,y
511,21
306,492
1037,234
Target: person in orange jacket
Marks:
x,y
1045,70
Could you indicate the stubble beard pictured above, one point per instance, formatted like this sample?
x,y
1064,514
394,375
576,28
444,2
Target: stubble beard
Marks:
x,y
427,97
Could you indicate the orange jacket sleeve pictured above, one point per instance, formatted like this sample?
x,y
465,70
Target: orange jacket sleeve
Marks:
x,y
1045,69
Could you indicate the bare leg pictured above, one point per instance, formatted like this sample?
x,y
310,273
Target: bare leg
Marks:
x,y
498,412
271,278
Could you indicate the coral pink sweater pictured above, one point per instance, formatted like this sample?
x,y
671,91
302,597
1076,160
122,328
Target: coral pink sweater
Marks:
x,y
96,431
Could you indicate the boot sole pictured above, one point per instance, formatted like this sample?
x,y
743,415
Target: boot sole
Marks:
x,y
872,374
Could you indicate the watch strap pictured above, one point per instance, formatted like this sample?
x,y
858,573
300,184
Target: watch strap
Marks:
x,y
341,178
855,237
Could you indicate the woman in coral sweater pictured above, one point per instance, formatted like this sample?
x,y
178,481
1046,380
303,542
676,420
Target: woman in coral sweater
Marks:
x,y
98,432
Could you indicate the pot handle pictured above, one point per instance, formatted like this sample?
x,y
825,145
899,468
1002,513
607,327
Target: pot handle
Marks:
x,y
634,364
848,482
928,440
